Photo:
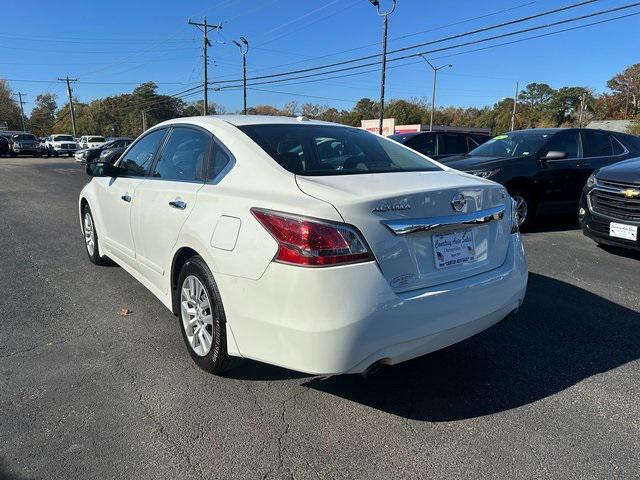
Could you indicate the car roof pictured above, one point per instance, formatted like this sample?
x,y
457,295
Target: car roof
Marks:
x,y
240,120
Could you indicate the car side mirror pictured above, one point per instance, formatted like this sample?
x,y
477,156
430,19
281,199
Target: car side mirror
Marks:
x,y
104,169
554,155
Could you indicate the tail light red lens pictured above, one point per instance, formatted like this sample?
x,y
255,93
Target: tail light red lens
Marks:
x,y
302,241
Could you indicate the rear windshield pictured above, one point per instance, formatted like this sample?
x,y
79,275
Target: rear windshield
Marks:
x,y
96,139
331,150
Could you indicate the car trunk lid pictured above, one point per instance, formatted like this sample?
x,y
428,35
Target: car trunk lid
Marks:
x,y
378,204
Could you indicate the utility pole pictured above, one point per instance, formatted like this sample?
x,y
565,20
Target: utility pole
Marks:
x,y
385,16
144,121
515,105
244,49
73,112
20,95
205,28
582,107
433,93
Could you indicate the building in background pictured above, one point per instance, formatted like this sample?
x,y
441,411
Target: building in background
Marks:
x,y
389,127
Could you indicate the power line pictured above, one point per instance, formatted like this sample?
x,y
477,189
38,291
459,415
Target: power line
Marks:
x,y
391,39
459,45
440,40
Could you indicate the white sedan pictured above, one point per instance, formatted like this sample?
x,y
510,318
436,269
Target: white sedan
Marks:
x,y
321,260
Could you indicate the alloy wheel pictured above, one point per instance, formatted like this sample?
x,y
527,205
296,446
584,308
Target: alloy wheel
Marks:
x,y
89,234
197,320
522,208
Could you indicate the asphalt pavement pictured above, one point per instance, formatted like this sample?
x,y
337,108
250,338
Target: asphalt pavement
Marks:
x,y
87,394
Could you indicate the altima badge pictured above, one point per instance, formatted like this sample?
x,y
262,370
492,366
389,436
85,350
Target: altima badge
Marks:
x,y
458,202
396,207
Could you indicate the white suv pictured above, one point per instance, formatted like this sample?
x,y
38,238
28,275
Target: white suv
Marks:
x,y
91,141
323,260
60,145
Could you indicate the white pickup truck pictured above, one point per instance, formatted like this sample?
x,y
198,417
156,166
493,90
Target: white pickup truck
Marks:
x,y
60,145
91,141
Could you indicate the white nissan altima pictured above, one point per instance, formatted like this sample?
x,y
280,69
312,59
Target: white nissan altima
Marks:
x,y
314,246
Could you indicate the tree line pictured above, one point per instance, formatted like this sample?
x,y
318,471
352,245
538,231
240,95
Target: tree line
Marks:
x,y
539,105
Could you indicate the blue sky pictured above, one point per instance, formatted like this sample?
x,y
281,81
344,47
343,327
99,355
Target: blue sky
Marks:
x,y
109,44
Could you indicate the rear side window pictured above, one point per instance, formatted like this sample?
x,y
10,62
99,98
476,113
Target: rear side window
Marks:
x,y
183,155
139,157
330,150
596,144
452,144
424,143
220,158
618,148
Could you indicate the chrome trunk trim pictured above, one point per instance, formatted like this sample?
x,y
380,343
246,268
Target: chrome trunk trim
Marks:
x,y
413,225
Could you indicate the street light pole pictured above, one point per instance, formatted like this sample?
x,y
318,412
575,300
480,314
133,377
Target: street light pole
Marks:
x,y
244,49
433,92
385,16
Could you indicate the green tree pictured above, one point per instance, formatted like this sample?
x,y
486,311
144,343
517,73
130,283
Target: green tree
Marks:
x,y
43,114
9,108
535,100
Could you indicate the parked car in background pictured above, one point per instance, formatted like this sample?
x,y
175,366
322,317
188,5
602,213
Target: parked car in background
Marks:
x,y
610,205
91,154
91,141
60,144
380,258
4,146
24,144
440,145
545,170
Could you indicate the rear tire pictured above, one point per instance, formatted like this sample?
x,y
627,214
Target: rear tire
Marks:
x,y
202,320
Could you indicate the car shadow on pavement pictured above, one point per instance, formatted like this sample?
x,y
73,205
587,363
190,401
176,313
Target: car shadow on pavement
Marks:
x,y
552,223
561,336
5,474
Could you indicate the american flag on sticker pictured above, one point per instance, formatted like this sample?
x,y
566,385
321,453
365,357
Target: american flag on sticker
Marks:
x,y
440,257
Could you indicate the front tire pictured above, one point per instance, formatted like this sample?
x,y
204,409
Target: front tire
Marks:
x,y
524,207
91,237
202,319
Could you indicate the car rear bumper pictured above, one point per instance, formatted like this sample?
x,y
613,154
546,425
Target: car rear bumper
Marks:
x,y
344,319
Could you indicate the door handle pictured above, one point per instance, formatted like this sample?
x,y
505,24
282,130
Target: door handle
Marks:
x,y
126,197
179,204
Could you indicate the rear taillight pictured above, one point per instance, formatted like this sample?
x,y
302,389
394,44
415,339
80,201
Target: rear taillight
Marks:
x,y
302,241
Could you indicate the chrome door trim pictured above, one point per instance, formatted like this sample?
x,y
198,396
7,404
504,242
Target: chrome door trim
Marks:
x,y
413,225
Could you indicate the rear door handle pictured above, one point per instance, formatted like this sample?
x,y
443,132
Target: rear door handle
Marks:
x,y
126,197
179,204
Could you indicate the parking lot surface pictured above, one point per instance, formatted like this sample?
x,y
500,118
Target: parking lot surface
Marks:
x,y
85,393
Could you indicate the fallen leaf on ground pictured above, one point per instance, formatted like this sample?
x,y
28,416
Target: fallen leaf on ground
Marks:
x,y
123,312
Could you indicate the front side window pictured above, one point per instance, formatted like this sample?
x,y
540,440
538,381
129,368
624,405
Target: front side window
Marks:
x,y
138,159
327,150
567,142
596,144
183,155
